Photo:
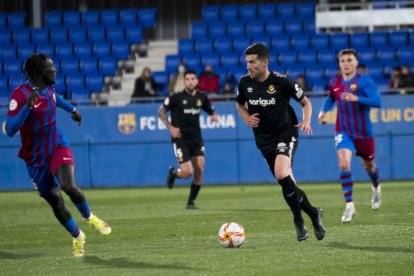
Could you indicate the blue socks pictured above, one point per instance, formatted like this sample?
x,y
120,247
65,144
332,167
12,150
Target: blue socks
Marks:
x,y
374,178
347,184
72,227
84,209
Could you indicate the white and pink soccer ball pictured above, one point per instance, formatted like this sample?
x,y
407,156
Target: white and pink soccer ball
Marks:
x,y
231,235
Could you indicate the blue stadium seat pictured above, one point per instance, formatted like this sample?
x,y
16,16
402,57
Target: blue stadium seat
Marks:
x,y
80,96
63,50
230,62
90,19
199,30
96,34
204,46
53,19
379,39
120,50
319,89
147,17
133,34
405,55
306,11
161,80
288,58
263,39
75,84
386,56
69,66
307,58
280,43
60,84
319,41
128,17
248,12
12,67
14,81
82,50
8,52
223,45
192,61
101,50
330,72
171,63
94,82
266,11
217,30
299,42
21,36
210,14
16,20
274,27
24,51
186,46
411,38
375,72
359,41
229,13
88,66
58,35
115,34
5,37
40,36
294,71
240,44
314,75
254,28
77,34
46,48
236,30
309,27
327,58
71,19
339,41
109,18
366,56
210,59
107,66
294,26
4,90
399,39
286,10
3,20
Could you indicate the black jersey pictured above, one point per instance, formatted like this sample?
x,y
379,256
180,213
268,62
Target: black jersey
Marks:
x,y
270,99
185,111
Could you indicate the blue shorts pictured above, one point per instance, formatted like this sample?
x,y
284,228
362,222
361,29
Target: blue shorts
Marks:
x,y
343,141
43,181
363,147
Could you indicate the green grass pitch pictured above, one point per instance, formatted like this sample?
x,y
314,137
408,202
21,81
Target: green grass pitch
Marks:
x,y
152,233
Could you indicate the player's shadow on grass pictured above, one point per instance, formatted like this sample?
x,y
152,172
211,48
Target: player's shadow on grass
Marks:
x,y
341,245
125,263
13,256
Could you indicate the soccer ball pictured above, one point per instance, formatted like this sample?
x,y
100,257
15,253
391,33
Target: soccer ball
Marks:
x,y
231,235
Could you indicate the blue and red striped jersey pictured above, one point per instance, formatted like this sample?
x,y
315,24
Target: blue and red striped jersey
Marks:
x,y
37,124
353,117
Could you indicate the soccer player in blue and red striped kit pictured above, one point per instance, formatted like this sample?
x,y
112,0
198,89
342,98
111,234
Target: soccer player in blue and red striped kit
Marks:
x,y
354,95
47,154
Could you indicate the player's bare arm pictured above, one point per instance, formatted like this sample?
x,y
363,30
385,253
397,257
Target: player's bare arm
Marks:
x,y
174,131
322,118
76,116
307,113
214,117
250,120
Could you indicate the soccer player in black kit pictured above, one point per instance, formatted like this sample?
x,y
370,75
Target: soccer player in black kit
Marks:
x,y
185,132
263,103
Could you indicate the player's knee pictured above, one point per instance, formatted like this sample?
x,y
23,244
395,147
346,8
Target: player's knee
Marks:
x,y
198,171
185,173
344,166
280,174
74,193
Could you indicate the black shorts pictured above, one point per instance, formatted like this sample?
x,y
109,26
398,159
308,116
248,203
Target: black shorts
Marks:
x,y
184,149
285,145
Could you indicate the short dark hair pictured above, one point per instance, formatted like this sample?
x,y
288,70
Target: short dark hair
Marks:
x,y
258,49
189,72
34,65
348,51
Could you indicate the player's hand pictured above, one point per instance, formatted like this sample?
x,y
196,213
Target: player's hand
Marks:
x,y
32,98
321,118
305,127
76,116
214,118
349,97
175,132
253,120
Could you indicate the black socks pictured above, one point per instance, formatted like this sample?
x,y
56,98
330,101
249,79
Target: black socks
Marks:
x,y
194,189
291,195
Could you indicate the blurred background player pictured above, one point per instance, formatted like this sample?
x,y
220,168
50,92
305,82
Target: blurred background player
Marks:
x,y
185,131
47,154
263,103
354,95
